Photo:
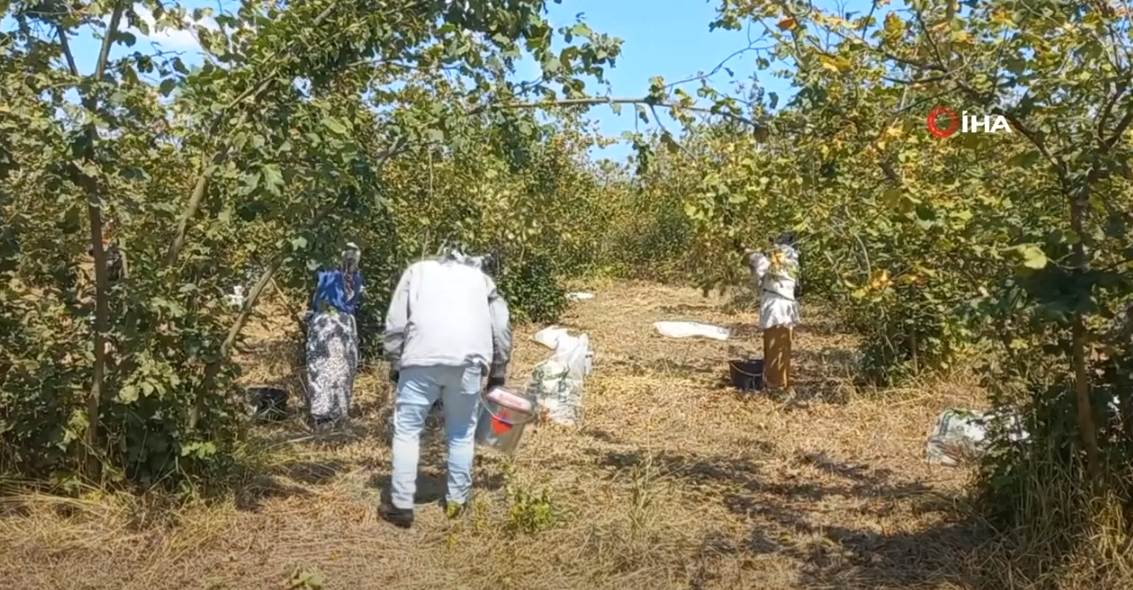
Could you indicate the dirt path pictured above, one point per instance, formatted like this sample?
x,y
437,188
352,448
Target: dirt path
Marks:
x,y
674,481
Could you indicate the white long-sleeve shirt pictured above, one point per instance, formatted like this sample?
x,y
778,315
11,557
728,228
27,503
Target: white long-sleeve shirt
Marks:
x,y
447,312
776,288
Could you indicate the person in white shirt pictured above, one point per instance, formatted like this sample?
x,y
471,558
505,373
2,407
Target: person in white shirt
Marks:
x,y
446,327
775,276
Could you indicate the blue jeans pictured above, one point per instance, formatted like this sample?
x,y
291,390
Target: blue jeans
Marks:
x,y
418,388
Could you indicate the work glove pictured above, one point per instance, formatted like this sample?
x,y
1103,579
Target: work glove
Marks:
x,y
494,382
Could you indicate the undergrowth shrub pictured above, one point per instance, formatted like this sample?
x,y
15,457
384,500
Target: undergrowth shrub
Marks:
x,y
906,332
1060,531
530,510
533,291
1063,526
156,372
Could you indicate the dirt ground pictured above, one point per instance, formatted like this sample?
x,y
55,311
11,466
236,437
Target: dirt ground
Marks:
x,y
673,481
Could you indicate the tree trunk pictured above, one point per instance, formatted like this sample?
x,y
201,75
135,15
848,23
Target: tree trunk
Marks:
x,y
90,185
1087,428
101,316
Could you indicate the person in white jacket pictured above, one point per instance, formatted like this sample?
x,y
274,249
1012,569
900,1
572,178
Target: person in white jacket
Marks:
x,y
775,275
447,326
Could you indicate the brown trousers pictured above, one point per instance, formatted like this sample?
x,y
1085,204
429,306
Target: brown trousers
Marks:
x,y
777,357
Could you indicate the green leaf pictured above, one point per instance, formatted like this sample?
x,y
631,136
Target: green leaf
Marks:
x,y
273,178
251,183
581,30
167,86
551,66
128,394
1024,160
642,113
892,196
1033,257
334,125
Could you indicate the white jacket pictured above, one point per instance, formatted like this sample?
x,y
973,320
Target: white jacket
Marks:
x,y
447,312
776,288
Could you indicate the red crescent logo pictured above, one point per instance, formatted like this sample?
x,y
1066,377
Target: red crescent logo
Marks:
x,y
943,111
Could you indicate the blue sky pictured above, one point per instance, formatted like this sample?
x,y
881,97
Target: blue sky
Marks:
x,y
668,38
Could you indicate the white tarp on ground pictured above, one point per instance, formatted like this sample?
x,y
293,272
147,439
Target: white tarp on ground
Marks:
x,y
691,330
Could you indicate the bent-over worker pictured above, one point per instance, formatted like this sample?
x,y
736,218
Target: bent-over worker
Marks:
x,y
332,340
446,326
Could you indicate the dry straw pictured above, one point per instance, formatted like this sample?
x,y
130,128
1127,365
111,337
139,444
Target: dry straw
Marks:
x,y
673,481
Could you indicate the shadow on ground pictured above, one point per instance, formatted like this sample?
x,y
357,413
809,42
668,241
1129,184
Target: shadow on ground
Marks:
x,y
785,518
313,460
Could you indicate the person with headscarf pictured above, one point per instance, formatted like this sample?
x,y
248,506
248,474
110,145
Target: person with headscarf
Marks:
x,y
332,340
774,275
446,329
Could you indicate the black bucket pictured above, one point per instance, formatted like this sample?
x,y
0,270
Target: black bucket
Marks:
x,y
267,402
746,374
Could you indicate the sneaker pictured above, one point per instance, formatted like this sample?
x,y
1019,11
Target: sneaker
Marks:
x,y
454,510
398,517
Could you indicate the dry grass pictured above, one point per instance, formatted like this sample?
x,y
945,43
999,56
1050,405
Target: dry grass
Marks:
x,y
674,481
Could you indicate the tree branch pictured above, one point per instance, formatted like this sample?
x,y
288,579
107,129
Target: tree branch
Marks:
x,y
594,101
1107,109
928,80
1122,127
200,187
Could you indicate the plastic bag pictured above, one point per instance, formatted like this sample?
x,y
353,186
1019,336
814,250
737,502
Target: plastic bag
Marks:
x,y
557,338
549,336
961,435
557,382
237,297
